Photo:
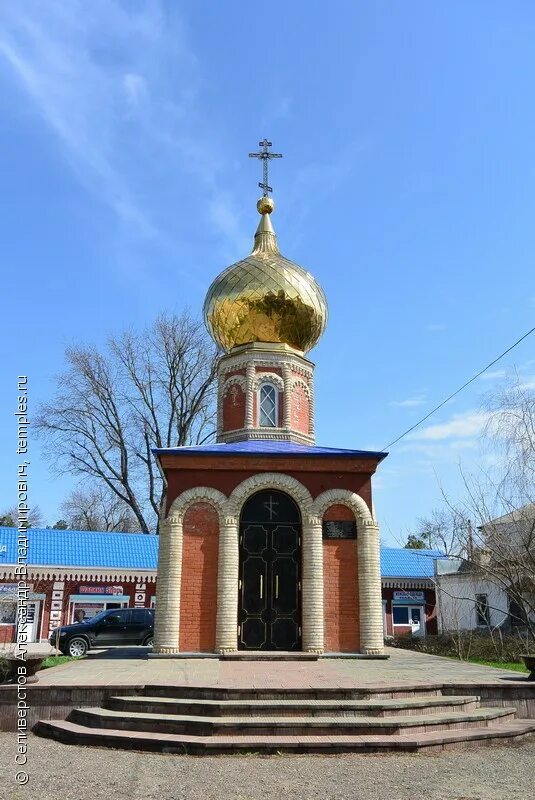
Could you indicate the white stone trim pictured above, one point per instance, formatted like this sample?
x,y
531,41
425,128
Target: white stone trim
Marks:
x,y
303,384
249,410
100,575
167,615
343,497
226,639
270,480
275,434
234,380
370,597
198,494
312,592
268,377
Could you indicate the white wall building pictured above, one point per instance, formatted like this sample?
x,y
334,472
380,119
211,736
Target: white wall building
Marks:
x,y
467,600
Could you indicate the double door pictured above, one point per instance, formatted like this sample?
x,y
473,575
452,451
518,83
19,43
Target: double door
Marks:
x,y
269,588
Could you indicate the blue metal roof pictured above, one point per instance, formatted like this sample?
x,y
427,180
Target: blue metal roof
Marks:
x,y
140,551
268,447
402,562
82,548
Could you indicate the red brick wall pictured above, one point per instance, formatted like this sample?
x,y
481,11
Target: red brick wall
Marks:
x,y
300,409
198,595
225,473
340,576
234,408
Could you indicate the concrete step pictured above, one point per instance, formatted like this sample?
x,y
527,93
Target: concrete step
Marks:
x,y
287,726
260,655
73,733
292,708
294,693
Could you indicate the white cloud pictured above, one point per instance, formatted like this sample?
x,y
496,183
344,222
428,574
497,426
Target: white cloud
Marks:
x,y
410,402
436,326
119,87
461,426
493,375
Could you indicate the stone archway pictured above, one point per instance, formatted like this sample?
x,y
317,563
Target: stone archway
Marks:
x,y
311,562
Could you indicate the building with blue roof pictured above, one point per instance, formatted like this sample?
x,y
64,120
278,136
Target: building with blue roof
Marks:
x,y
70,570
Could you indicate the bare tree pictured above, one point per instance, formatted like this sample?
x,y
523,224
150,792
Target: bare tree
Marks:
x,y
9,517
149,389
98,508
442,530
493,526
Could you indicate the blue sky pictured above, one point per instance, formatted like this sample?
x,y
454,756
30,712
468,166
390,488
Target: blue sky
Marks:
x,y
406,187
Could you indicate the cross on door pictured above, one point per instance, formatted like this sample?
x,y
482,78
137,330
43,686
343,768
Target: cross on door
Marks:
x,y
270,505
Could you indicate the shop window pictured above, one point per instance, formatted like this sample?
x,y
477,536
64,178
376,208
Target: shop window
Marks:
x,y
268,405
400,615
482,611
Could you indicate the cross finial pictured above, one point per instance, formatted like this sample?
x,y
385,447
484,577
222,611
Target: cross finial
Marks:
x,y
265,156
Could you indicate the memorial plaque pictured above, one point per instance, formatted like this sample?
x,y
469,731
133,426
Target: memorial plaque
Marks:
x,y
343,529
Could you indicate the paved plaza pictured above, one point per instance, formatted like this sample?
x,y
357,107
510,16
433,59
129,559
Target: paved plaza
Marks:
x,y
132,666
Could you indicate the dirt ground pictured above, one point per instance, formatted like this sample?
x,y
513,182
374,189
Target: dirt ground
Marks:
x,y
499,772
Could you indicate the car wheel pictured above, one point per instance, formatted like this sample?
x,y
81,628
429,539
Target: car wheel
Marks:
x,y
76,647
148,642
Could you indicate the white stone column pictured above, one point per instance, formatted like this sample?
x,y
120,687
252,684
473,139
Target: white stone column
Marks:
x,y
249,391
312,586
226,638
370,600
287,396
167,617
311,417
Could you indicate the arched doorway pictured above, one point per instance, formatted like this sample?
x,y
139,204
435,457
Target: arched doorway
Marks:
x,y
269,610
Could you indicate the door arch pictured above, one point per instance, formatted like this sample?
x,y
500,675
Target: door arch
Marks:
x,y
269,591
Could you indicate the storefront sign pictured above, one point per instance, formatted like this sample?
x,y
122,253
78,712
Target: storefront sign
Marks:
x,y
8,588
409,597
340,530
3,548
113,590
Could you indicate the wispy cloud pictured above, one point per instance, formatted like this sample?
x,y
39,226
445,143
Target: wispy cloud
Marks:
x,y
119,87
410,402
493,375
436,326
467,425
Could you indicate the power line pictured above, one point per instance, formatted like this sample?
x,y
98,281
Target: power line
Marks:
x,y
443,403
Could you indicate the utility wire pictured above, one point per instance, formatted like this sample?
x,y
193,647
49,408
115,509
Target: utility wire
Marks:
x,y
443,403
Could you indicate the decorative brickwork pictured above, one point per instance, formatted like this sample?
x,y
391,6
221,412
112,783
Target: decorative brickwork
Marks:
x,y
234,408
352,579
299,400
198,596
250,367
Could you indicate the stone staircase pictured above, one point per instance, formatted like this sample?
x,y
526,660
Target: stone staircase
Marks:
x,y
215,720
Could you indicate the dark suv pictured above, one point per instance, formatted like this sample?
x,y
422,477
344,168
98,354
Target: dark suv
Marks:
x,y
117,626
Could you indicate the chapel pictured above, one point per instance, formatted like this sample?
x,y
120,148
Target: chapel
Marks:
x,y
269,542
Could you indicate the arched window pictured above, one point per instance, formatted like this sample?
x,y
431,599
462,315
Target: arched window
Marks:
x,y
268,405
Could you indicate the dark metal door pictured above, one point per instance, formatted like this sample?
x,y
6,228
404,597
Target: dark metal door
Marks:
x,y
269,591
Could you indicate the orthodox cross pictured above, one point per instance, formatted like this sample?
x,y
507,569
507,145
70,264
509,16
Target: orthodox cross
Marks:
x,y
265,156
270,505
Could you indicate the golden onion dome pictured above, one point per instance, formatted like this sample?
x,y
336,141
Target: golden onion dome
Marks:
x,y
265,297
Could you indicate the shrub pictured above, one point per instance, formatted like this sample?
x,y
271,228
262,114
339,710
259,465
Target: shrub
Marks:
x,y
486,646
